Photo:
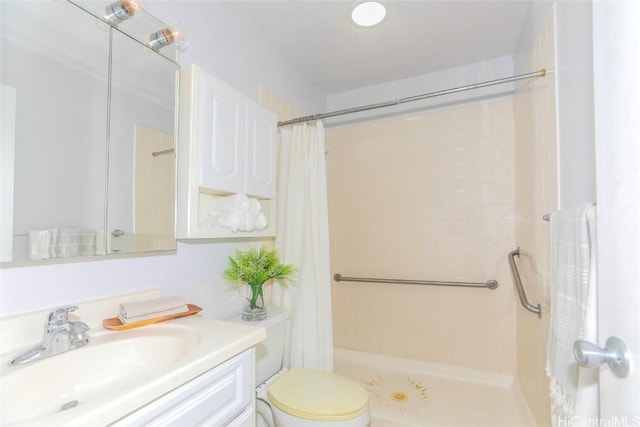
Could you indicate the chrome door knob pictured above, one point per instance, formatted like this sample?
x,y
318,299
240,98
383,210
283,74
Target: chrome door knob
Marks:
x,y
615,354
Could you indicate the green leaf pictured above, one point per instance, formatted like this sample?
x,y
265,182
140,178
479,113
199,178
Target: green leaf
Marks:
x,y
256,267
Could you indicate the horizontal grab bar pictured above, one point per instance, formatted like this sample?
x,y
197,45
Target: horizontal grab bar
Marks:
x,y
519,288
491,284
159,153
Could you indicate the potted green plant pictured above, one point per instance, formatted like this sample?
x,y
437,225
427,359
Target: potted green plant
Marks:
x,y
255,268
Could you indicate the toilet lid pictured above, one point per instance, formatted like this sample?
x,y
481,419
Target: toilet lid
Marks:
x,y
316,395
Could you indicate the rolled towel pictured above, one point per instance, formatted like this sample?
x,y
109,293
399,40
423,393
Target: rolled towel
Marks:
x,y
243,221
137,311
238,213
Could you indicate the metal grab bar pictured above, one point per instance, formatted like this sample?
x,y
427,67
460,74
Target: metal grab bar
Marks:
x,y
519,289
491,284
159,153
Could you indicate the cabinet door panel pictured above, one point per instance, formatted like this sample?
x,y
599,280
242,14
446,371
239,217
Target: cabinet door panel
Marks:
x,y
227,145
215,398
260,169
220,132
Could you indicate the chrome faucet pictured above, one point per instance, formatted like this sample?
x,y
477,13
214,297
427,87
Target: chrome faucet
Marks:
x,y
60,335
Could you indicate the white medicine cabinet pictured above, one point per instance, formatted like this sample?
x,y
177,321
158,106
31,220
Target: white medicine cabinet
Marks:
x,y
85,105
227,146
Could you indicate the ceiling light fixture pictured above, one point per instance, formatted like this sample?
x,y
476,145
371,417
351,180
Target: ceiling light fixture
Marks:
x,y
368,13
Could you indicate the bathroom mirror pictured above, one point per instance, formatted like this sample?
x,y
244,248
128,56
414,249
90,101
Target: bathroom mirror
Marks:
x,y
141,179
84,109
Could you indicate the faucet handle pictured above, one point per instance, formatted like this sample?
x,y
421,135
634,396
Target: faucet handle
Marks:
x,y
60,316
78,334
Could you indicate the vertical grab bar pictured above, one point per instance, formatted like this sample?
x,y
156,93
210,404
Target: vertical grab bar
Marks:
x,y
519,289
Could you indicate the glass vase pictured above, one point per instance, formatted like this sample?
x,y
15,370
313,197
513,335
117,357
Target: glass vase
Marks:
x,y
254,308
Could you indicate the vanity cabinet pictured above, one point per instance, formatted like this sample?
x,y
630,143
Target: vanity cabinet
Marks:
x,y
223,396
227,145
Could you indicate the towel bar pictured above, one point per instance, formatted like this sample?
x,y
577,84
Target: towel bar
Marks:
x,y
519,289
159,153
490,284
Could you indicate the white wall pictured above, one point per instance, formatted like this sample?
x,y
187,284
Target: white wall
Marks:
x,y
574,98
576,140
617,113
423,84
228,47
193,269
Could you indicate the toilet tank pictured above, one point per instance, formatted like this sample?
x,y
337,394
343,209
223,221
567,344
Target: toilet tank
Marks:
x,y
270,352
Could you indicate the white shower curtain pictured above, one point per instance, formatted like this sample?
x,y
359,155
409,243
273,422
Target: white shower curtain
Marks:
x,y
302,239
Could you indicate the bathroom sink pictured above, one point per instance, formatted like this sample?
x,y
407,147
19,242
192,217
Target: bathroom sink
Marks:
x,y
118,375
111,364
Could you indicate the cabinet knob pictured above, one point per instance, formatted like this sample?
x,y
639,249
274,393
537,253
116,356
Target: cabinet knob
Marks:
x,y
117,233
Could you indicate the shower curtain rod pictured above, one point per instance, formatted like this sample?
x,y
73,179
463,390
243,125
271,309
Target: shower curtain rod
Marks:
x,y
539,73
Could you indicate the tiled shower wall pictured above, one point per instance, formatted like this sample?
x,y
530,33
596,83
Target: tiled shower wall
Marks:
x,y
427,197
536,193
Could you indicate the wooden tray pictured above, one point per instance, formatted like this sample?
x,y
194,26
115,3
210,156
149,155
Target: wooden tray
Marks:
x,y
116,325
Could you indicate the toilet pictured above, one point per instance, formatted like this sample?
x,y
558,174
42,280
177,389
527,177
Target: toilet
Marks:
x,y
302,397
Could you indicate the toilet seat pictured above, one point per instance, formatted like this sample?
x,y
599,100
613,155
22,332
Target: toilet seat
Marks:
x,y
317,395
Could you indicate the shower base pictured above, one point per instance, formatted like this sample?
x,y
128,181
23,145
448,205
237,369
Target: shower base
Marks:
x,y
407,393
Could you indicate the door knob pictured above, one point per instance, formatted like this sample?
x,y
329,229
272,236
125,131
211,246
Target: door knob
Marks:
x,y
615,354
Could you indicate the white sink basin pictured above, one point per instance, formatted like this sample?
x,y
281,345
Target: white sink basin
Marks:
x,y
111,364
114,375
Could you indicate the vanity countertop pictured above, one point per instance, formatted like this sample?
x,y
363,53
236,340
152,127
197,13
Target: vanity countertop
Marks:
x,y
211,342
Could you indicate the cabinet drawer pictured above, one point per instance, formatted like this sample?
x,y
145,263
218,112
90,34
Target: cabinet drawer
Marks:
x,y
212,399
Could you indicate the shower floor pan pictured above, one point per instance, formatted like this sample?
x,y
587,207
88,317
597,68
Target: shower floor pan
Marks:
x,y
407,393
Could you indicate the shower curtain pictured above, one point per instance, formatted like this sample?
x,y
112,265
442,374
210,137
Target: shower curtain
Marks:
x,y
302,239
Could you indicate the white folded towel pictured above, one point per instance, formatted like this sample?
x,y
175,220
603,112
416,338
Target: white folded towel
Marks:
x,y
137,311
573,313
61,243
238,213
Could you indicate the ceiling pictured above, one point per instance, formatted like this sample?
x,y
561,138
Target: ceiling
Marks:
x,y
417,37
